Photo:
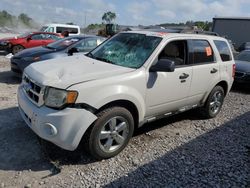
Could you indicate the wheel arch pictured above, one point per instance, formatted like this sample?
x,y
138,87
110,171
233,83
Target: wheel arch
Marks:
x,y
130,106
224,85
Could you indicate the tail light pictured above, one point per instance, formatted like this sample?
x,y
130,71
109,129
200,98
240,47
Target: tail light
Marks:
x,y
233,72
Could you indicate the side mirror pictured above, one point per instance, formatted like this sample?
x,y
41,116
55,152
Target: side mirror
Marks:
x,y
72,50
28,39
163,65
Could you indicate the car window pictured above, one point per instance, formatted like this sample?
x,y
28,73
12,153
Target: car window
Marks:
x,y
86,45
244,56
126,49
50,29
175,51
224,50
24,35
69,29
202,52
51,37
100,40
37,37
63,43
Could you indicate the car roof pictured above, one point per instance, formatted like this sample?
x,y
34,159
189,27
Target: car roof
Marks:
x,y
84,36
61,25
165,34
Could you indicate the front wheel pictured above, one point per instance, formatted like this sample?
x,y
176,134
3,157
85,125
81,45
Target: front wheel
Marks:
x,y
16,49
110,133
214,102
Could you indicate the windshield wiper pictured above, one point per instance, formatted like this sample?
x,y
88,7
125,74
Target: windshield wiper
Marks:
x,y
99,58
90,55
103,59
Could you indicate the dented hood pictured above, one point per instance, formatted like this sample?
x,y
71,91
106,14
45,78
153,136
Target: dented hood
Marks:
x,y
67,71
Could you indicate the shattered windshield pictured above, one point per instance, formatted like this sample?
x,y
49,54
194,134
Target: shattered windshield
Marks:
x,y
126,49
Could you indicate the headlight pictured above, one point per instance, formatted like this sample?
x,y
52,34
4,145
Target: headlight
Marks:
x,y
4,43
58,98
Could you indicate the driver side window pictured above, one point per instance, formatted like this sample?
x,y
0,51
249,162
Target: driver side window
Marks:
x,y
37,37
86,45
175,51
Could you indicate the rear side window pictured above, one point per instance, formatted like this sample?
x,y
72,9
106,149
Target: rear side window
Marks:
x,y
202,52
223,49
69,29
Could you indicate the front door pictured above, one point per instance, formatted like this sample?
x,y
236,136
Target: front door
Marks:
x,y
168,91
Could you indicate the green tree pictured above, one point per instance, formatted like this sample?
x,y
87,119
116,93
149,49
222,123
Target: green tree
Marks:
x,y
6,19
203,25
25,19
108,17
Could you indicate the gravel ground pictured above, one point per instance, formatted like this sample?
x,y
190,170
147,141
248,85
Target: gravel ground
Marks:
x,y
181,151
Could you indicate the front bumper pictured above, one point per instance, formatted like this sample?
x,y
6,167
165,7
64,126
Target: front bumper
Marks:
x,y
64,128
4,47
18,65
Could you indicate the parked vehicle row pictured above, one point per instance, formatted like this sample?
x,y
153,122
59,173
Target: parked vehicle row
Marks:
x,y
61,48
100,98
242,74
28,40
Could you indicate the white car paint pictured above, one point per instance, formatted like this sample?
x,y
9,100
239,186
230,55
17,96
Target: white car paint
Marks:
x,y
99,83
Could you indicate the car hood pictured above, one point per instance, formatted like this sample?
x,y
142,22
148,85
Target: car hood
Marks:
x,y
6,39
33,52
242,66
64,72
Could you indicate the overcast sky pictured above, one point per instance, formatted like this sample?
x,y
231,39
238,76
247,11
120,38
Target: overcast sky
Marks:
x,y
129,12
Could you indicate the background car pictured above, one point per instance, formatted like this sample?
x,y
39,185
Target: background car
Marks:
x,y
242,61
60,48
28,40
244,46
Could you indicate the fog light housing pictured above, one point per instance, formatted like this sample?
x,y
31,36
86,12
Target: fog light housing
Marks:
x,y
49,129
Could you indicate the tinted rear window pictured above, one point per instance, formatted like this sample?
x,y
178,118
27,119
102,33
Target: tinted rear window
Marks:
x,y
69,29
203,52
224,50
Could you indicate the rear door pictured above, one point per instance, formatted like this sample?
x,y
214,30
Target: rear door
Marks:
x,y
206,73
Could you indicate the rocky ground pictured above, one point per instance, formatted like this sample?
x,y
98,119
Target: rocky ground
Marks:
x,y
181,151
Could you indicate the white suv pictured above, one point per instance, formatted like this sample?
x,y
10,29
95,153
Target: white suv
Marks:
x,y
129,80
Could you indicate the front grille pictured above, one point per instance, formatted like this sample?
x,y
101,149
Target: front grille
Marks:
x,y
239,74
33,90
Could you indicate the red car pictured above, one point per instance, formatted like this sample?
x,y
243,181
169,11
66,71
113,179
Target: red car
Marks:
x,y
28,40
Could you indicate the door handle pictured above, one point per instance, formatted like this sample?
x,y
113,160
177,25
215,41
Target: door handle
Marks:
x,y
214,70
183,76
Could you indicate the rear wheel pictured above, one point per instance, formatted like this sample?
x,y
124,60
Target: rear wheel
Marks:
x,y
110,133
214,102
16,49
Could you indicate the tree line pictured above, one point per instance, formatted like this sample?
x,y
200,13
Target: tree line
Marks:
x,y
9,20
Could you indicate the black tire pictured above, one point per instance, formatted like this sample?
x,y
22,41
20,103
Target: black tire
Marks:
x,y
214,102
16,49
97,146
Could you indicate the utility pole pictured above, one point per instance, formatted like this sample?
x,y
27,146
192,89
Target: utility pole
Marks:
x,y
85,18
